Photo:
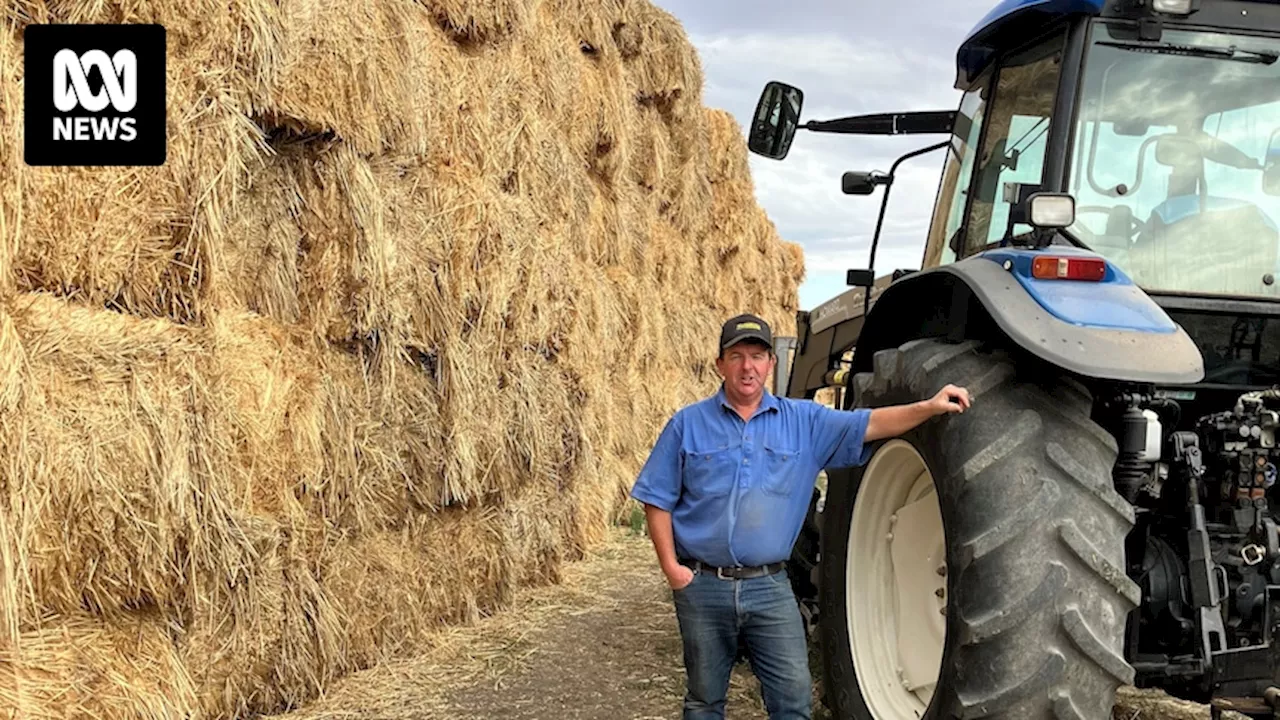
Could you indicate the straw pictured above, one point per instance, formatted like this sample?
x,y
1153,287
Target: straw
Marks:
x,y
385,341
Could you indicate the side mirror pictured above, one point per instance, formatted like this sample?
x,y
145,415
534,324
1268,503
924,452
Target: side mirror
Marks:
x,y
862,183
860,278
1271,167
774,124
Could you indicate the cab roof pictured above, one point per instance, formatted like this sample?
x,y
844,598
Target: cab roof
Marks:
x,y
1007,24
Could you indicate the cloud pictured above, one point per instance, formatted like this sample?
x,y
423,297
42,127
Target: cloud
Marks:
x,y
840,77
803,197
802,193
849,59
914,23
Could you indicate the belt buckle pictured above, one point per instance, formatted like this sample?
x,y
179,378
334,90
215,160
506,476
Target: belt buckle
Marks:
x,y
720,574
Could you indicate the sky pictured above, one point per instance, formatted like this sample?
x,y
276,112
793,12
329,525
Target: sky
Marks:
x,y
849,58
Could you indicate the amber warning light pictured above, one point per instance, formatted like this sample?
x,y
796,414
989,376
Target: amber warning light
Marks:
x,y
1050,267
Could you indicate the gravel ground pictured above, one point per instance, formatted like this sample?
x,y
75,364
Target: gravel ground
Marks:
x,y
604,644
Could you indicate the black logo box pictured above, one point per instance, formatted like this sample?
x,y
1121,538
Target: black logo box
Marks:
x,y
149,146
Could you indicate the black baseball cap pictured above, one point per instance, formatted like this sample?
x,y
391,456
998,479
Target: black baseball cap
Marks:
x,y
745,327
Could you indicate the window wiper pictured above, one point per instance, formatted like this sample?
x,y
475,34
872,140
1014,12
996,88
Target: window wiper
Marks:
x,y
1262,57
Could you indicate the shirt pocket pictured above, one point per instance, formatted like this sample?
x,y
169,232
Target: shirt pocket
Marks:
x,y
710,473
782,468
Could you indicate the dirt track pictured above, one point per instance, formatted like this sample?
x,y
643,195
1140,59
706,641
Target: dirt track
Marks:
x,y
604,644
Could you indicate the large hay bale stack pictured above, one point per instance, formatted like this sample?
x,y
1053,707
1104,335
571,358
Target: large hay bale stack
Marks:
x,y
387,337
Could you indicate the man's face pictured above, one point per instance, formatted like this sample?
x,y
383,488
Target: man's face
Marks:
x,y
745,368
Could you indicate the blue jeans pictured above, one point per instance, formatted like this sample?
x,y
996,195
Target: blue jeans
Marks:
x,y
715,615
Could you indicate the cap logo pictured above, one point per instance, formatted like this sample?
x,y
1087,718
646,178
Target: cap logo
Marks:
x,y
748,326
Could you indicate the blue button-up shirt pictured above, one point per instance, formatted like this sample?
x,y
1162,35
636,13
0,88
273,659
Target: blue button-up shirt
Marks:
x,y
737,491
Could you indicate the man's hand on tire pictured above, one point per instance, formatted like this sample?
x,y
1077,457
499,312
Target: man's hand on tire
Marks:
x,y
950,399
894,420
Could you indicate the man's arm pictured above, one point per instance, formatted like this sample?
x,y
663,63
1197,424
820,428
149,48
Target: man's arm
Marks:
x,y
664,543
894,420
658,488
840,438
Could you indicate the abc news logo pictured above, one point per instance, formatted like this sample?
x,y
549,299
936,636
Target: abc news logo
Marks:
x,y
95,95
71,90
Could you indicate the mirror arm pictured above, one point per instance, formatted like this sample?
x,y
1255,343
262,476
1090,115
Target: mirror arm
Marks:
x,y
884,205
908,123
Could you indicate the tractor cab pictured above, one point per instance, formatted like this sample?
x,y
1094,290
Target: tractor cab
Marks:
x,y
1146,132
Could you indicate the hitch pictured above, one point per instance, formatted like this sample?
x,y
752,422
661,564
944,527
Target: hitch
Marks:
x,y
1248,671
1265,708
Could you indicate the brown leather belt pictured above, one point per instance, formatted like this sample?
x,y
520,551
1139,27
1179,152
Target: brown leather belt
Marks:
x,y
734,573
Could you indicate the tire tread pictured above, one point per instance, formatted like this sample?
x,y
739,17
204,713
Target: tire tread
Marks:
x,y
1007,697
1016,527
1089,554
1059,456
1020,432
1017,611
1090,644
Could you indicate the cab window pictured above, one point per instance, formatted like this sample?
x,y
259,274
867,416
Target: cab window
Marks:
x,y
953,190
1013,149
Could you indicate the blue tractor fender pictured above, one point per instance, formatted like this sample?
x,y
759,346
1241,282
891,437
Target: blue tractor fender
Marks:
x,y
1106,329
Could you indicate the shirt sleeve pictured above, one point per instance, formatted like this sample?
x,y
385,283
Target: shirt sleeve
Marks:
x,y
660,479
838,436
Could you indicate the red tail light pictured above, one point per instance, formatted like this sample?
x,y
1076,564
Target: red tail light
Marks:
x,y
1051,267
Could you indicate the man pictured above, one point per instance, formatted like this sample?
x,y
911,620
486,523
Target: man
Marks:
x,y
726,489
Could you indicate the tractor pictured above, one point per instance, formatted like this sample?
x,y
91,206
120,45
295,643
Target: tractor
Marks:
x,y
1101,273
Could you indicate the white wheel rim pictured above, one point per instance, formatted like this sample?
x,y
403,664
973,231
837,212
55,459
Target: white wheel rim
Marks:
x,y
895,584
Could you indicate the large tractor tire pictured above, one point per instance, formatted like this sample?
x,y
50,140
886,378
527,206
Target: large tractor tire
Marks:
x,y
974,567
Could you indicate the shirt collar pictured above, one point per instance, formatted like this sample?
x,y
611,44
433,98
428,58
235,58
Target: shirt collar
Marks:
x,y
768,402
